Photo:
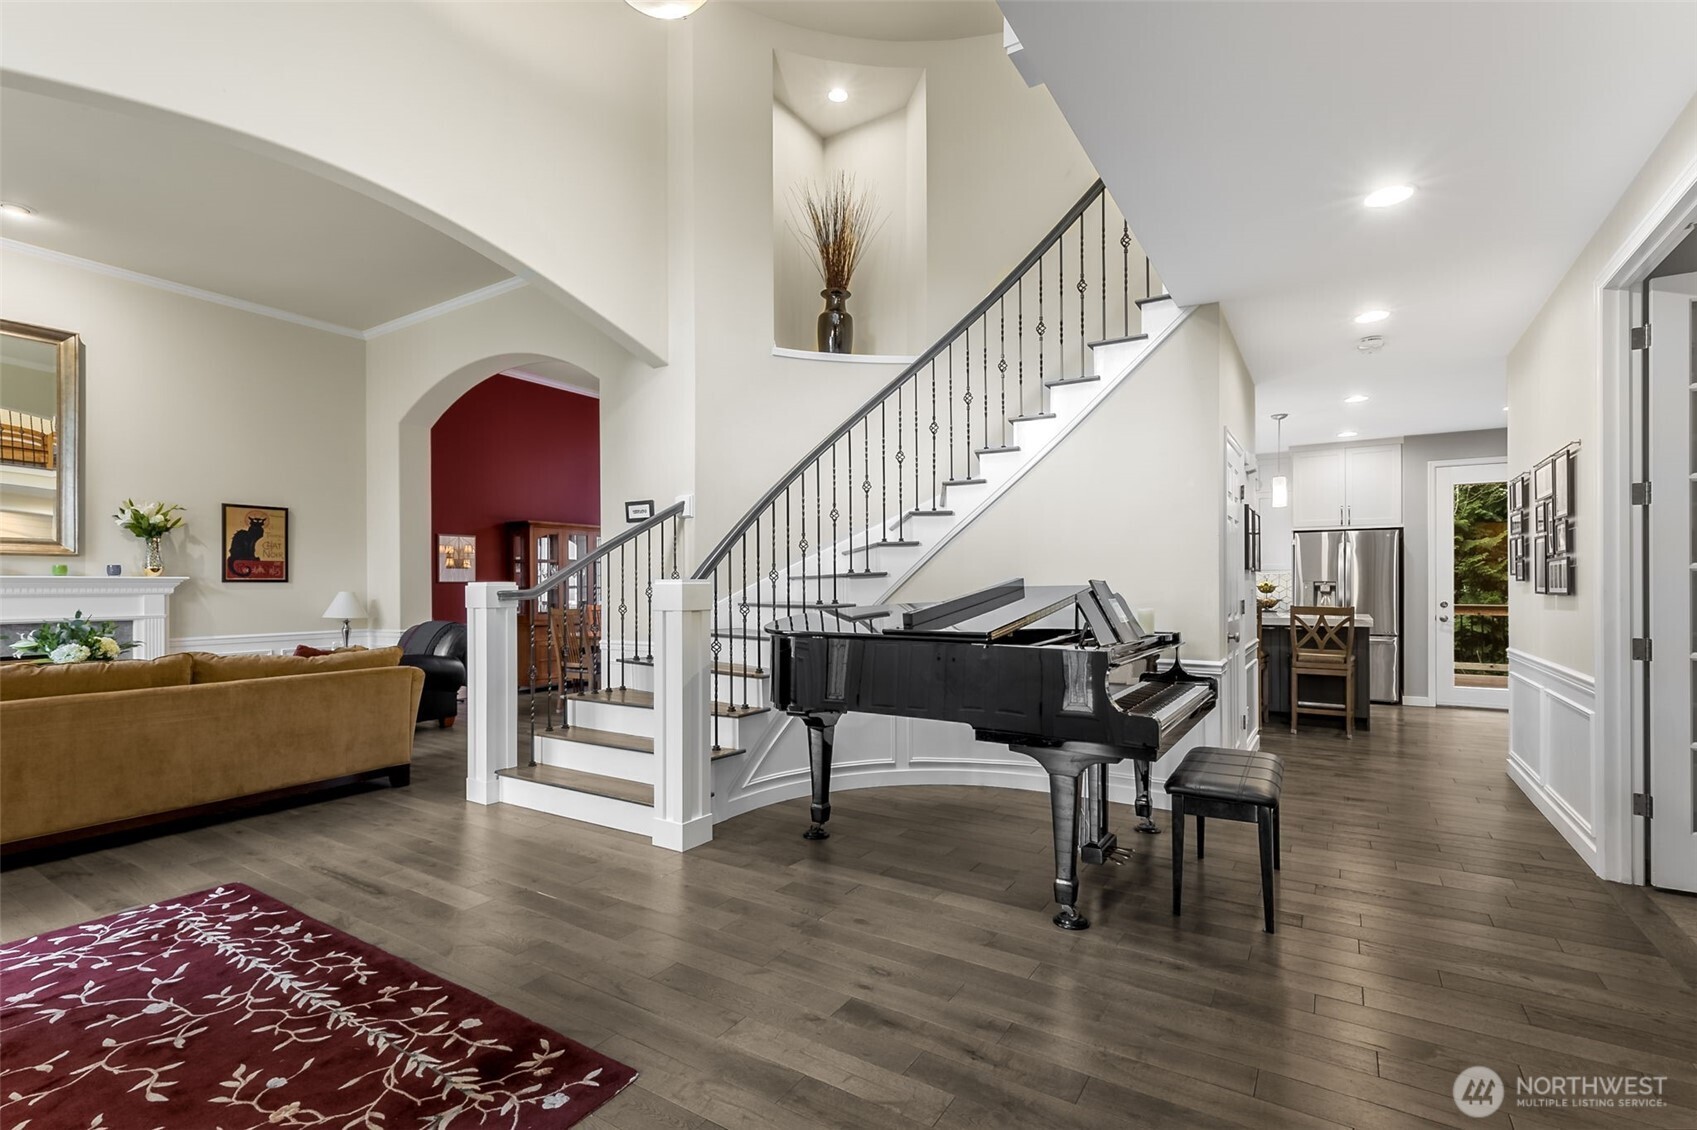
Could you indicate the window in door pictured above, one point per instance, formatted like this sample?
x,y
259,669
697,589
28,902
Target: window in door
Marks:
x,y
1480,520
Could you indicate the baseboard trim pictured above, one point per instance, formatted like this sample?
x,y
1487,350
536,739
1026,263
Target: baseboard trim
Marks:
x,y
1563,818
282,643
1418,700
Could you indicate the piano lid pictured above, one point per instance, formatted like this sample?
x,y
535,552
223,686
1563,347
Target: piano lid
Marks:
x,y
989,614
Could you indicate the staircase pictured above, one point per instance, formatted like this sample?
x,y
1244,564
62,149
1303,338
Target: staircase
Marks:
x,y
854,520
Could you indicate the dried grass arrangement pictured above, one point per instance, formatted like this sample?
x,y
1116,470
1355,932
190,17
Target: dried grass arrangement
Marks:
x,y
838,221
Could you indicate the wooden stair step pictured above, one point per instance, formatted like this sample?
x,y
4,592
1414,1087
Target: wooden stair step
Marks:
x,y
883,545
1127,339
613,788
1031,416
996,450
644,700
723,668
612,739
972,482
1064,382
1142,302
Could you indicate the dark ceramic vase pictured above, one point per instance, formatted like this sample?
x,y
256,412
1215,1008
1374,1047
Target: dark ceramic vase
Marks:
x,y
836,325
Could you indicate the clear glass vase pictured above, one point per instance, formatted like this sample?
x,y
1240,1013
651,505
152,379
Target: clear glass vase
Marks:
x,y
155,564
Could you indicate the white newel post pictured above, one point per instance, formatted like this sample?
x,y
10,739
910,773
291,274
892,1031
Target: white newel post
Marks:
x,y
683,808
492,688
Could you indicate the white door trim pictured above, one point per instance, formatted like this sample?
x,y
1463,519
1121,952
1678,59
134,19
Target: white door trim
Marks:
x,y
1620,836
1433,541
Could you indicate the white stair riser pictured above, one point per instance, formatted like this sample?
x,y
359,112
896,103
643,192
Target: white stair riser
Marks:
x,y
604,761
1157,316
963,500
587,807
1112,360
611,716
1032,434
734,689
1067,401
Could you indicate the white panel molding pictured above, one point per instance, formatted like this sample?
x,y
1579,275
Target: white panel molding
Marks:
x,y
282,643
1554,756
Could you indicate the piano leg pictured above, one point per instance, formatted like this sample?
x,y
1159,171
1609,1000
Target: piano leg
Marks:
x,y
821,732
1063,809
1145,805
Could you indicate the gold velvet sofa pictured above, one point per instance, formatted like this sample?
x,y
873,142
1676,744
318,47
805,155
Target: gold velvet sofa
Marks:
x,y
89,748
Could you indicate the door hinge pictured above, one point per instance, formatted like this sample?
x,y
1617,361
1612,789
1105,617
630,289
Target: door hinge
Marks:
x,y
1641,649
1640,336
1641,493
1643,804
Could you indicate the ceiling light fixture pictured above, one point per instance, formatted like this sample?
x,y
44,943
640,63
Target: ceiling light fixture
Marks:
x,y
837,94
1281,485
1347,435
1356,399
1389,195
1372,343
666,9
1368,317
9,209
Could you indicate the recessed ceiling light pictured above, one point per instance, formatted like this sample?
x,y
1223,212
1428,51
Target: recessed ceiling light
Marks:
x,y
1505,408
1356,399
1390,194
837,94
666,9
1367,317
10,209
1346,435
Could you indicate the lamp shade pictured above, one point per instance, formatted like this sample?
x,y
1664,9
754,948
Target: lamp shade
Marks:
x,y
346,606
666,9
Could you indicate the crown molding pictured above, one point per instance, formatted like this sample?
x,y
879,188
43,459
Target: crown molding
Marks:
x,y
470,298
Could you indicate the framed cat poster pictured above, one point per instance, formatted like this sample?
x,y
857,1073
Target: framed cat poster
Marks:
x,y
256,543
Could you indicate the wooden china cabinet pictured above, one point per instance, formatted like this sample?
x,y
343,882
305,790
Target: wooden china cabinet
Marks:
x,y
564,625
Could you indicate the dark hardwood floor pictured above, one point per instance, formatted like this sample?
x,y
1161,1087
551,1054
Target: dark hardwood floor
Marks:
x,y
905,972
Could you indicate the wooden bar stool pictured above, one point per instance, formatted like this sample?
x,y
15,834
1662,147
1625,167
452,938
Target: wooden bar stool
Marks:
x,y
1322,642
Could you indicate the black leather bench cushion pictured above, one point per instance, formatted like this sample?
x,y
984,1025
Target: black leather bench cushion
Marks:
x,y
1229,774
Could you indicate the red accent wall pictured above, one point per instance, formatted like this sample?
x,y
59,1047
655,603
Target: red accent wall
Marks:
x,y
506,451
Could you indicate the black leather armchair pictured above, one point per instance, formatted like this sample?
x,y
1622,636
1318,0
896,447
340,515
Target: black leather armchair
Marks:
x,y
437,647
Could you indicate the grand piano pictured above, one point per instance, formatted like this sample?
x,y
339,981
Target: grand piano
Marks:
x,y
1063,674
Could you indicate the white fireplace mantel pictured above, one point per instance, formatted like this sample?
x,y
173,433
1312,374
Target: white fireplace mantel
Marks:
x,y
142,602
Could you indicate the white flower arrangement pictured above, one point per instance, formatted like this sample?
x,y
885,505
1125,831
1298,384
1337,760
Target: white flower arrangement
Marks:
x,y
71,641
149,519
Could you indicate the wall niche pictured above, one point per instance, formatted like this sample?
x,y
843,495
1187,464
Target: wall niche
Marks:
x,y
877,136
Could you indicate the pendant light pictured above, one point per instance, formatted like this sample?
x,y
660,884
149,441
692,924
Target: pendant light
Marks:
x,y
1281,485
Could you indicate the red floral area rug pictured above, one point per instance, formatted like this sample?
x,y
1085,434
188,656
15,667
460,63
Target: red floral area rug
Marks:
x,y
229,1009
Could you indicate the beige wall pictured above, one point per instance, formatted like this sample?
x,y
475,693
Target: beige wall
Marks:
x,y
1122,500
534,133
798,155
190,402
876,155
1553,399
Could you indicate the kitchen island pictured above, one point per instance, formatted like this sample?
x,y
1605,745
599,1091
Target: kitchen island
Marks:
x,y
1275,641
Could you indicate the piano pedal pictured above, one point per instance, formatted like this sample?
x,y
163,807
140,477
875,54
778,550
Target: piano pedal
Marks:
x,y
1119,855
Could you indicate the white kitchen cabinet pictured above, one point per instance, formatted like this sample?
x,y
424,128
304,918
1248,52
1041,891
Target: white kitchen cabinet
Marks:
x,y
1373,475
1346,485
1318,491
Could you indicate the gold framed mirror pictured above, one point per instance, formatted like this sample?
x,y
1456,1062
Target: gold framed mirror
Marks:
x,y
40,438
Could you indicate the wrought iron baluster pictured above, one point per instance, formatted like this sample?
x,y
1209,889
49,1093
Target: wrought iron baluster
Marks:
x,y
529,757
789,545
951,403
1061,308
714,648
757,579
624,640
1040,328
966,398
1125,272
884,471
818,540
1148,291
901,467
1102,220
1002,362
836,565
1083,304
1019,336
800,562
648,591
933,429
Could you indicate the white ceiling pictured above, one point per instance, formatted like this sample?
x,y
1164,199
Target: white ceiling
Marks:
x,y
888,20
801,83
1240,138
150,197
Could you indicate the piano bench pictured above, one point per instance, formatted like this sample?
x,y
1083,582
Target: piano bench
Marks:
x,y
1232,784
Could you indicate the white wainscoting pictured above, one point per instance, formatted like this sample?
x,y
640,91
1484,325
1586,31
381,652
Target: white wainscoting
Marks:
x,y
1553,751
873,751
284,643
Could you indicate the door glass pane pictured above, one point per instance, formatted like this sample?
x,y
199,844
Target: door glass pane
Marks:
x,y
1481,584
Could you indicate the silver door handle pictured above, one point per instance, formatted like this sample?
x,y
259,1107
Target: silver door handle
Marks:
x,y
1443,604
1340,515
1348,515
1443,619
1232,637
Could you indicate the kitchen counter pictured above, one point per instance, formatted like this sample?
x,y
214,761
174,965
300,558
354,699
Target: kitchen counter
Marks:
x,y
1282,620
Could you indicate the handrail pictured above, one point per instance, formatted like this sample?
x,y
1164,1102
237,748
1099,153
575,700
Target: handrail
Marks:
x,y
730,540
556,579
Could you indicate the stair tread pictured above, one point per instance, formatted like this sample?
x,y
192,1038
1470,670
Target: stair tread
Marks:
x,y
1062,382
644,700
1154,298
882,545
612,739
730,668
1003,450
1127,338
613,788
964,482
1032,416
928,514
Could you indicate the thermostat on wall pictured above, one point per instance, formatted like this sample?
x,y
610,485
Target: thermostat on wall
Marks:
x,y
639,511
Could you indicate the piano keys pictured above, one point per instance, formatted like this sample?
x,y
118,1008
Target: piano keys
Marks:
x,y
1025,666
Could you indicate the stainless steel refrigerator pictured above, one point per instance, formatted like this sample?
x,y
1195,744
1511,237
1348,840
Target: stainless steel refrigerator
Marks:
x,y
1361,568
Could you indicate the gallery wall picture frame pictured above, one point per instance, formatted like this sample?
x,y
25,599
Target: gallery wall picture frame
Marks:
x,y
1544,480
1562,471
1540,564
456,557
255,543
1542,517
1561,576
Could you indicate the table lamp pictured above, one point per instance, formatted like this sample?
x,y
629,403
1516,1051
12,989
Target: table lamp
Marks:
x,y
346,607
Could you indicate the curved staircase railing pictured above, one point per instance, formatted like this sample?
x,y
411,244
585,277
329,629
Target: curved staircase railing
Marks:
x,y
891,463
